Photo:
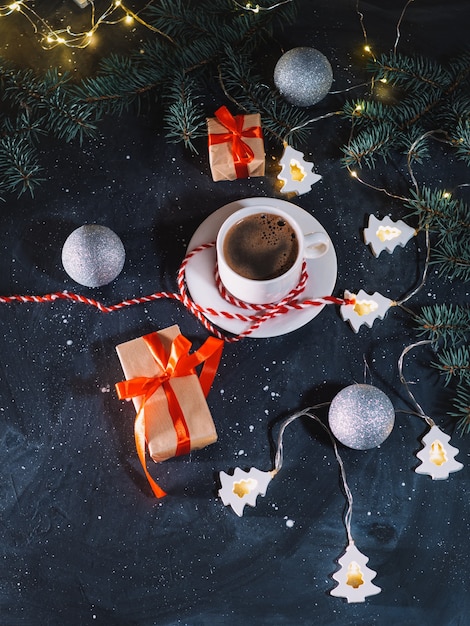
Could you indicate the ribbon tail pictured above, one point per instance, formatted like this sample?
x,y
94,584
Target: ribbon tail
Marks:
x,y
209,354
183,438
213,347
139,433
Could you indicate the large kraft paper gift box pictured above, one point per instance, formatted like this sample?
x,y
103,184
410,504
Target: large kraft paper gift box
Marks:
x,y
236,145
172,413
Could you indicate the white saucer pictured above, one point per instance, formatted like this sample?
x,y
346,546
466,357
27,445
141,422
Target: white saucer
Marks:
x,y
203,289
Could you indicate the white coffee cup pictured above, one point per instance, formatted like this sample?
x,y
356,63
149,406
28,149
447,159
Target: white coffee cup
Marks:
x,y
270,290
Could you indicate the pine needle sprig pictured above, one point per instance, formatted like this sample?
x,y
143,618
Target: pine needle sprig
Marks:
x,y
120,83
184,118
199,53
175,18
27,90
454,364
19,165
415,143
456,109
461,403
430,96
453,258
444,323
69,119
412,73
460,138
449,325
363,112
455,223
450,219
23,126
49,97
438,211
363,149
417,107
459,70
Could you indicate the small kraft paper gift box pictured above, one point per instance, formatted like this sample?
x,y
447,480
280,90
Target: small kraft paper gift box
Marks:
x,y
169,396
236,145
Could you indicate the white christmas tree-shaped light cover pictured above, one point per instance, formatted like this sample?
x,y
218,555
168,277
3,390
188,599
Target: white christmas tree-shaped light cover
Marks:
x,y
385,234
243,488
354,578
365,309
437,456
296,174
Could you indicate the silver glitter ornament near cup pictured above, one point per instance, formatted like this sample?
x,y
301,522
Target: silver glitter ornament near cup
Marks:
x,y
361,416
253,291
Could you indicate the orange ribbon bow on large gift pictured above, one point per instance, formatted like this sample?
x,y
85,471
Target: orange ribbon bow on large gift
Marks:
x,y
177,363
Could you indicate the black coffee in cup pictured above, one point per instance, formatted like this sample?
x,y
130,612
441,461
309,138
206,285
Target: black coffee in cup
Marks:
x,y
261,246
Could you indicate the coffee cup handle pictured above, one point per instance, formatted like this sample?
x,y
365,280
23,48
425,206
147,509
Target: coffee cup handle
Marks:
x,y
316,245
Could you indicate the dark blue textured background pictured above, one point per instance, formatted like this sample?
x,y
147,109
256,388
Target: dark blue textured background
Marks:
x,y
82,540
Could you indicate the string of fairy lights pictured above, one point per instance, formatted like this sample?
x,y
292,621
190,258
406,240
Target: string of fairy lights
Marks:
x,y
116,13
49,37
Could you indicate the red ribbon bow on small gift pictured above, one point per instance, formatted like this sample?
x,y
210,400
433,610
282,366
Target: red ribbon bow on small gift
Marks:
x,y
178,363
242,153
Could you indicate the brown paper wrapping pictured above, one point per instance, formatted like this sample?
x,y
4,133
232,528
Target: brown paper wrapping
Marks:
x,y
136,360
220,155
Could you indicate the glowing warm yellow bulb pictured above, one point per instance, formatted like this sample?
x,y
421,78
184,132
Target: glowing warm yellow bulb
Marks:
x,y
89,34
129,19
353,174
367,48
383,80
15,6
358,108
364,307
60,40
446,195
355,577
117,3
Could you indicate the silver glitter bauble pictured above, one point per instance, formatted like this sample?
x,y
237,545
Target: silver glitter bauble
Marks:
x,y
303,76
93,255
361,416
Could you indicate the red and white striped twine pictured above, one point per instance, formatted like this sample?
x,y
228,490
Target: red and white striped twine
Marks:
x,y
255,320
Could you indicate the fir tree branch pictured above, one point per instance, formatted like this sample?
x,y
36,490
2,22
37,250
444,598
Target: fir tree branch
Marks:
x,y
449,325
410,72
124,81
63,116
23,126
379,140
460,138
444,323
19,166
439,212
431,96
454,363
453,258
184,119
362,112
461,405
